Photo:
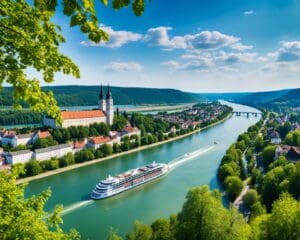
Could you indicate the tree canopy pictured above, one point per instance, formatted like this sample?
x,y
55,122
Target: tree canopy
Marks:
x,y
25,218
30,42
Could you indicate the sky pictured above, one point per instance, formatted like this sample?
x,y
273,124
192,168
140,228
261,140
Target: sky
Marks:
x,y
194,45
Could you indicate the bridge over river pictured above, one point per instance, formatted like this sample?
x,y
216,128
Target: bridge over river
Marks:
x,y
246,113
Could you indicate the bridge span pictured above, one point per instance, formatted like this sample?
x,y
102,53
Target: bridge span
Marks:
x,y
243,113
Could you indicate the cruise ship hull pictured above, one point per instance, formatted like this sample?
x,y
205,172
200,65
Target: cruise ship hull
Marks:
x,y
123,189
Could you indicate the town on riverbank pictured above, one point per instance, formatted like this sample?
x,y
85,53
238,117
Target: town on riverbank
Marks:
x,y
263,164
83,136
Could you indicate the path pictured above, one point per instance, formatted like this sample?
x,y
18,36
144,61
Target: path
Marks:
x,y
239,200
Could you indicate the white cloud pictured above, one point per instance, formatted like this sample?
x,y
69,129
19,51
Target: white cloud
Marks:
x,y
232,58
123,67
204,40
241,47
286,59
159,36
210,40
249,12
292,46
171,64
193,65
288,52
116,38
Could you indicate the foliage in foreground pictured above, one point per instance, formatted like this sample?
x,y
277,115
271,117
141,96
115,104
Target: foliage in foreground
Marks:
x,y
30,40
25,218
204,217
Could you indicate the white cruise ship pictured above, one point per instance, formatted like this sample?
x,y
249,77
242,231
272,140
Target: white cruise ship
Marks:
x,y
130,179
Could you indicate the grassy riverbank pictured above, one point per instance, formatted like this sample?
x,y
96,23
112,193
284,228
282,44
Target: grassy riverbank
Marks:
x,y
78,165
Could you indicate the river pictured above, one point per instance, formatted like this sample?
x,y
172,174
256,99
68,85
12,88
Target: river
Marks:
x,y
151,201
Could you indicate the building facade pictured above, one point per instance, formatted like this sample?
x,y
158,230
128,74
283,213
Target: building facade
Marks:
x,y
104,114
54,151
18,157
12,139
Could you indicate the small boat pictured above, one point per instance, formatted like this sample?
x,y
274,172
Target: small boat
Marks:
x,y
215,142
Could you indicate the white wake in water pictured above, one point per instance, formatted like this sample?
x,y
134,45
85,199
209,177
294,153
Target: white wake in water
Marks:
x,y
189,156
75,206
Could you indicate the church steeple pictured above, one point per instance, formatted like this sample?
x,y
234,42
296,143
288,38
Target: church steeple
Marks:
x,y
108,94
109,106
101,96
102,103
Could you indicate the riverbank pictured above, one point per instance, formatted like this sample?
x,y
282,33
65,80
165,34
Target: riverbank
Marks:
x,y
78,165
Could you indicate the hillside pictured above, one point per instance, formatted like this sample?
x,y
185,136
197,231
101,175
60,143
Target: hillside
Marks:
x,y
88,95
291,98
217,96
273,99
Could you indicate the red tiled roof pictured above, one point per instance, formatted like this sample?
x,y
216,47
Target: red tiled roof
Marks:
x,y
82,114
44,134
78,144
100,139
128,128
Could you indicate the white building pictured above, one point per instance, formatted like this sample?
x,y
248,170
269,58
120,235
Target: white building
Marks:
x,y
54,151
10,138
128,131
18,157
115,137
275,138
96,142
105,114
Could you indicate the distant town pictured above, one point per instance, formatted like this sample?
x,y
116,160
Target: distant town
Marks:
x,y
93,134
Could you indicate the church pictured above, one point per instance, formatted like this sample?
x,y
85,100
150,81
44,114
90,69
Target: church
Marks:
x,y
104,113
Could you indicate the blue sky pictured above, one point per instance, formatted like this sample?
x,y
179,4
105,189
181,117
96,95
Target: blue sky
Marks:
x,y
194,45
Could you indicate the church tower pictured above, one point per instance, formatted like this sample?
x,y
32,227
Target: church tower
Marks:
x,y
102,103
109,107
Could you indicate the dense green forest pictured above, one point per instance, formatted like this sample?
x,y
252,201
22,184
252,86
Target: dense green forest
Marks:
x,y
88,95
15,117
272,99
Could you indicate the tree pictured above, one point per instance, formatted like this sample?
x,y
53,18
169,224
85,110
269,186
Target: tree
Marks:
x,y
204,217
19,169
161,229
284,129
228,169
106,149
283,222
116,148
268,155
140,232
250,198
113,235
294,185
234,186
119,122
25,218
84,155
67,160
30,40
33,168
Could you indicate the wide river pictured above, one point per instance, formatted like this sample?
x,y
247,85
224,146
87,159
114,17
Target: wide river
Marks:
x,y
148,202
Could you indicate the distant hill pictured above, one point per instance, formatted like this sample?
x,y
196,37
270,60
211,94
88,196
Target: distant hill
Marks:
x,y
217,96
291,98
88,95
280,98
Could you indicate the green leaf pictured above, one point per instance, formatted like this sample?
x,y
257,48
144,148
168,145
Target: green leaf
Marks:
x,y
104,2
